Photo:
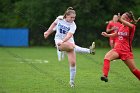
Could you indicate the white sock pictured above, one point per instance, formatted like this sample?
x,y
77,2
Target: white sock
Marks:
x,y
63,55
81,49
72,73
60,55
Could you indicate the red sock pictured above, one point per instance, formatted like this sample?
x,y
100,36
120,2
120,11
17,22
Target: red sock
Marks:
x,y
106,67
136,72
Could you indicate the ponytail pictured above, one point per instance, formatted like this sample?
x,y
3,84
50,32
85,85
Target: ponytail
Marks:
x,y
70,8
132,17
69,11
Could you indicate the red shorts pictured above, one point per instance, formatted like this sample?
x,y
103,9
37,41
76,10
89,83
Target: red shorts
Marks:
x,y
124,55
112,41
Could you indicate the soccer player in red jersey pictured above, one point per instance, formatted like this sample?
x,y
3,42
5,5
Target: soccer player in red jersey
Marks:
x,y
123,46
113,26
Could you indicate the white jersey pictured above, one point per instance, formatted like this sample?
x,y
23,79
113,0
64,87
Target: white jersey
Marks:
x,y
62,28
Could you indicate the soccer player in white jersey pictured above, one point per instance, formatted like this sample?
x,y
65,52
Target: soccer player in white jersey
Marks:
x,y
61,54
64,41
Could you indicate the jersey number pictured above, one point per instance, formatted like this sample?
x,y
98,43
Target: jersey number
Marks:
x,y
62,31
120,38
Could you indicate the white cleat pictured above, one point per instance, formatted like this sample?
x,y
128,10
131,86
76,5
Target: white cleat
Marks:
x,y
92,48
72,85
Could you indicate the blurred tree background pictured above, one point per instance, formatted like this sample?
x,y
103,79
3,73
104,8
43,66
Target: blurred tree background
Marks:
x,y
37,15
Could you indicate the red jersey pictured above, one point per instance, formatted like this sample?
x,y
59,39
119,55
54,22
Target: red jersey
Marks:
x,y
116,25
113,24
125,37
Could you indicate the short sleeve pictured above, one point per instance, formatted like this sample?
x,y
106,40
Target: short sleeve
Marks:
x,y
109,25
73,28
56,21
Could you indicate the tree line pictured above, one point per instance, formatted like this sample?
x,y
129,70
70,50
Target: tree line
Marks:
x,y
37,15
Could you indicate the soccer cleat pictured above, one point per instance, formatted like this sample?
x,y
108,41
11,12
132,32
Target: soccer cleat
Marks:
x,y
92,48
72,84
104,78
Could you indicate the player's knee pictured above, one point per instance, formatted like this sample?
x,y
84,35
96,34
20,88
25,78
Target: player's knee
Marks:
x,y
71,46
107,57
73,63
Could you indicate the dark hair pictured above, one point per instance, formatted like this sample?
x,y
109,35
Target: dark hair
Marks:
x,y
69,11
132,17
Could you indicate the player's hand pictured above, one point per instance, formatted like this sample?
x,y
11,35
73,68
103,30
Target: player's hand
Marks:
x,y
45,35
59,43
104,34
119,16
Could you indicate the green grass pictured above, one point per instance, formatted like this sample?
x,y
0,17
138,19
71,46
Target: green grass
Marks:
x,y
36,70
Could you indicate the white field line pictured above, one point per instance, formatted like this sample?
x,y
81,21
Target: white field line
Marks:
x,y
32,60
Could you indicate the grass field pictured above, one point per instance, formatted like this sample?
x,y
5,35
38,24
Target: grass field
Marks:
x,y
36,70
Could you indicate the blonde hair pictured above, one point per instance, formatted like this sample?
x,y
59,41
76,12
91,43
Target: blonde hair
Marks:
x,y
69,11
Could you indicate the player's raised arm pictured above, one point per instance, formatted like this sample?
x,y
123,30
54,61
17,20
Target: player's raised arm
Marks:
x,y
130,17
50,30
